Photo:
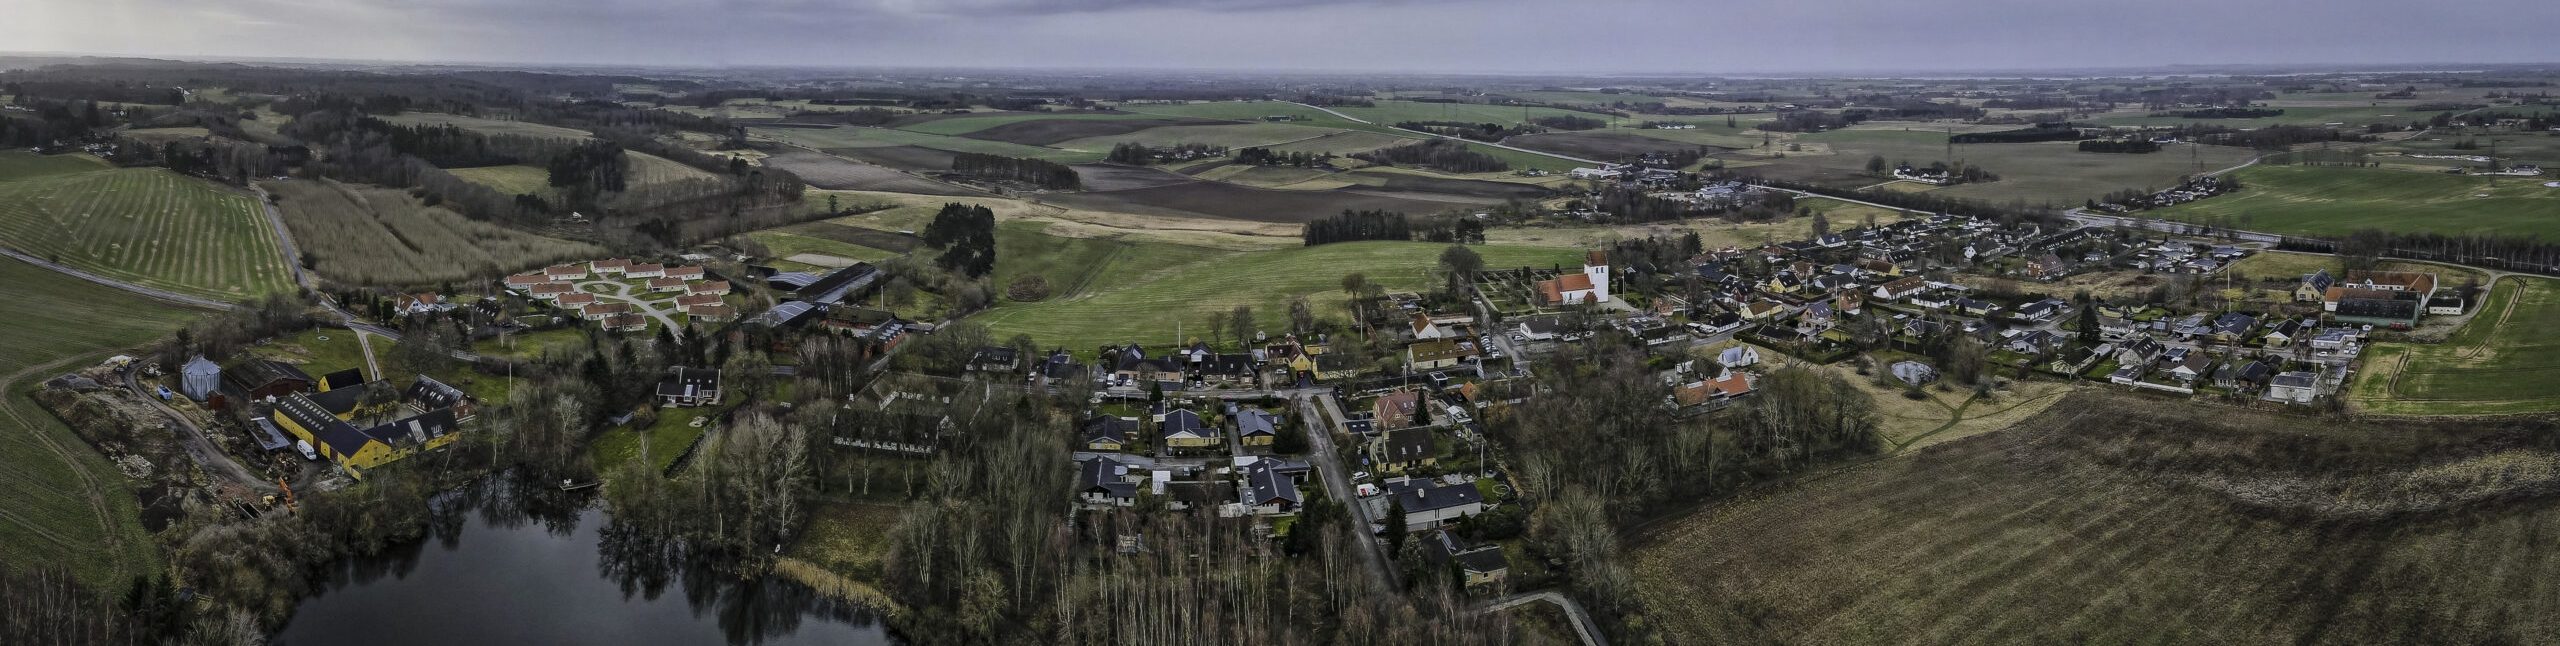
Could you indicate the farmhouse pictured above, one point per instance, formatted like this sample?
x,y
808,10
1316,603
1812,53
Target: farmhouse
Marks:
x,y
356,450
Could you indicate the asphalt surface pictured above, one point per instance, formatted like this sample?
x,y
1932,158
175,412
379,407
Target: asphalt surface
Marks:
x,y
1582,624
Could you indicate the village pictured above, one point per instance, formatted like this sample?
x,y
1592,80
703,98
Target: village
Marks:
x,y
1386,418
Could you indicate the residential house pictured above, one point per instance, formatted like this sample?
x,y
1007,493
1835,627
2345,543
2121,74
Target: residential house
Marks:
x,y
610,265
1270,487
427,394
1103,482
2233,326
694,300
995,358
2445,306
2313,286
579,300
527,280
686,386
1738,356
1424,329
666,284
1479,566
712,287
550,290
1429,503
1107,433
1255,427
1435,355
644,270
626,322
565,272
597,311
2193,367
1406,448
712,313
1395,409
1540,328
1182,430
2296,387
687,272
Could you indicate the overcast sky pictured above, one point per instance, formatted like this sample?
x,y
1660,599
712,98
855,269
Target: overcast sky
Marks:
x,y
1489,36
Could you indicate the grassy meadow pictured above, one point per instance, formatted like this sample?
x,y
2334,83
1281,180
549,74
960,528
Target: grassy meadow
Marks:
x,y
2332,200
67,506
142,225
1234,135
974,123
369,235
860,137
1145,296
2038,173
2115,518
2501,362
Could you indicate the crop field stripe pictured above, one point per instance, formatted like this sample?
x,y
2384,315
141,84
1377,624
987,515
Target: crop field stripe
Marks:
x,y
147,226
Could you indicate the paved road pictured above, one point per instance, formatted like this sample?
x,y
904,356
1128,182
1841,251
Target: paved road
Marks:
x,y
195,441
284,236
1582,624
1337,482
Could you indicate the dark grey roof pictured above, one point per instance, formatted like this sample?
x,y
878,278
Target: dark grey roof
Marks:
x,y
1106,427
1430,495
683,381
1253,421
1265,484
1104,475
839,284
340,400
416,429
1406,444
785,314
429,394
1181,421
342,378
259,373
2295,380
995,355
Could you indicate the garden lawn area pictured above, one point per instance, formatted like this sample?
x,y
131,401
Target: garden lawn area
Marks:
x,y
67,508
1148,306
2333,201
666,438
531,344
323,350
2503,361
146,226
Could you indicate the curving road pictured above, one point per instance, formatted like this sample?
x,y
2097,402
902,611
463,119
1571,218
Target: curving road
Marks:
x,y
197,444
1582,624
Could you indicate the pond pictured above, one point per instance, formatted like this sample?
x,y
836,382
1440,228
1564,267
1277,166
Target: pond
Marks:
x,y
490,578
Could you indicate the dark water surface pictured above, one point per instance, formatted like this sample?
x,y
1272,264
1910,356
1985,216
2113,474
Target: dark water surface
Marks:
x,y
491,579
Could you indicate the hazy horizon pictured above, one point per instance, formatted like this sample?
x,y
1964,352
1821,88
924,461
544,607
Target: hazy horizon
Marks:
x,y
1604,37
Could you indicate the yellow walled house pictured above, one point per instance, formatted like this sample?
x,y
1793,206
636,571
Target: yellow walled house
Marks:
x,y
1184,430
356,450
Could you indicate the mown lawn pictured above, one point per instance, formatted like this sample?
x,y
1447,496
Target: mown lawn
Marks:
x,y
665,438
1147,305
2333,201
143,225
67,507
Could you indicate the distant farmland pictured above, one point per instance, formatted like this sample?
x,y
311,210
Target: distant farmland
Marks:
x,y
377,236
2120,519
2331,201
144,225
2039,173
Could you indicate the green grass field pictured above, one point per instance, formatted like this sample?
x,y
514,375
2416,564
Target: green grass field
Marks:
x,y
1145,296
2055,172
858,137
2352,116
2503,361
1252,111
1392,112
516,179
969,124
146,226
2330,201
67,506
666,438
1075,266
1236,135
2120,519
20,164
489,126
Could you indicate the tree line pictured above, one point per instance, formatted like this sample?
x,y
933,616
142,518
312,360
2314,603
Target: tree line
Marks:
x,y
1439,154
1135,153
2039,132
1037,172
1356,225
967,237
1259,156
